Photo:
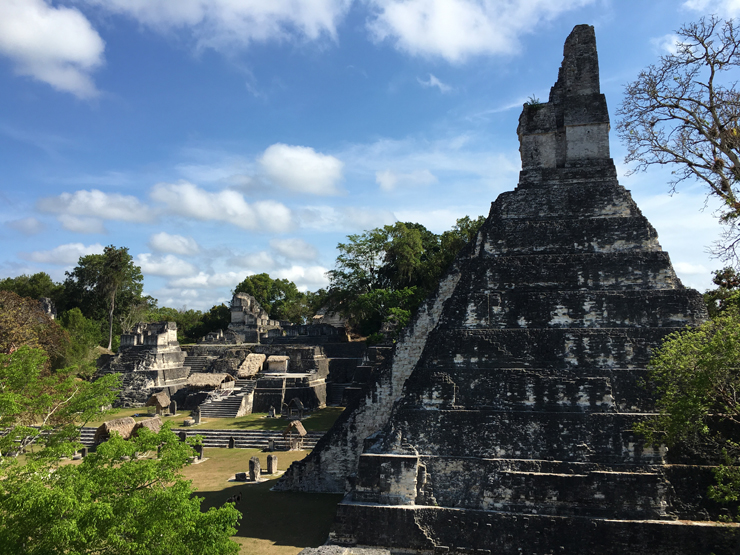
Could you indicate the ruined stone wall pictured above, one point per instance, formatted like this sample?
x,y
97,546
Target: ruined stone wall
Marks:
x,y
335,457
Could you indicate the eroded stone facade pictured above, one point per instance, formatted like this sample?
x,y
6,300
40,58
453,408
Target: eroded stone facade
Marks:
x,y
504,421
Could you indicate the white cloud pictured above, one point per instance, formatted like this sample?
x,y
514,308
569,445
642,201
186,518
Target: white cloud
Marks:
x,y
63,255
667,44
255,262
306,278
343,218
294,249
302,169
27,226
224,24
434,82
186,199
176,244
388,180
97,204
167,265
727,8
56,45
440,220
689,268
457,29
208,281
81,225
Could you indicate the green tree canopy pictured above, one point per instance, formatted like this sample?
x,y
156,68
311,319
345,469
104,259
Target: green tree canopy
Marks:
x,y
122,499
35,286
696,374
105,285
84,338
279,297
56,401
382,275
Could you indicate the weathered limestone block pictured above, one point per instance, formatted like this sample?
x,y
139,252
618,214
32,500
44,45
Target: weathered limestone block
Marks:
x,y
254,469
272,464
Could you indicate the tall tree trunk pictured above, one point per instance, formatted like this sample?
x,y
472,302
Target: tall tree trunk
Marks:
x,y
110,320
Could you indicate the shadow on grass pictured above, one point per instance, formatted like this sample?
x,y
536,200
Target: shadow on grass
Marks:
x,y
284,518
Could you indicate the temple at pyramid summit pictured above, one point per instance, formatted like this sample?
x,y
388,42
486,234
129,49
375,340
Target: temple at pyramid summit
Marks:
x,y
502,421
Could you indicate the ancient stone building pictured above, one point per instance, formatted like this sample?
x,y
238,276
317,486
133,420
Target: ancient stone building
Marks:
x,y
503,421
149,360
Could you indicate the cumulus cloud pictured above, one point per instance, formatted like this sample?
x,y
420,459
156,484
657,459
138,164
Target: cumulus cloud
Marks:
x,y
63,255
81,225
727,8
223,24
388,180
208,281
176,244
186,199
305,278
343,218
27,226
667,44
302,169
55,45
167,265
294,249
434,82
689,268
457,29
256,262
439,220
97,204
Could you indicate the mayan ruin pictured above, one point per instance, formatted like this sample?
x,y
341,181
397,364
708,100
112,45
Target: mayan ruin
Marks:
x,y
502,423
382,277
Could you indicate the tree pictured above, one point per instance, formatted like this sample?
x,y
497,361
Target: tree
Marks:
x,y
685,112
279,297
141,506
696,375
382,275
39,405
35,286
727,293
84,339
106,505
24,322
105,285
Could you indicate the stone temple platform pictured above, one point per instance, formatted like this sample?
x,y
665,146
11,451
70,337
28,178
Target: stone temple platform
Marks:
x,y
510,401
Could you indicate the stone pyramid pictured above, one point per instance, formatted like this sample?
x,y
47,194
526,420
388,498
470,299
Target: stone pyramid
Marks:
x,y
509,404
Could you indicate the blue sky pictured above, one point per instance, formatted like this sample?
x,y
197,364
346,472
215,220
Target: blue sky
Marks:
x,y
221,138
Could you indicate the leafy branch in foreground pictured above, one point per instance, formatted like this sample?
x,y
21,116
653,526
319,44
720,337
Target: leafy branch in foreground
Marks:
x,y
127,498
696,374
38,405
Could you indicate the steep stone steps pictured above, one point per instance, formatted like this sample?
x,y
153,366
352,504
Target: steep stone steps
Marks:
x,y
227,407
198,363
244,439
334,393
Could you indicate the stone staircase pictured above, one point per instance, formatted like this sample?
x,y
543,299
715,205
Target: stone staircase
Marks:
x,y
334,393
243,439
227,407
250,439
198,363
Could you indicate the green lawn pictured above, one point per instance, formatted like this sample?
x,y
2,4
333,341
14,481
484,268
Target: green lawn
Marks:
x,y
273,523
